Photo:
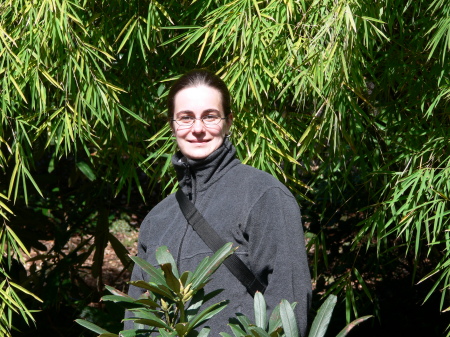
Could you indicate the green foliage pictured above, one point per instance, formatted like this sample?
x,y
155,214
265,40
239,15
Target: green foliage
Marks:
x,y
344,101
11,249
282,321
172,303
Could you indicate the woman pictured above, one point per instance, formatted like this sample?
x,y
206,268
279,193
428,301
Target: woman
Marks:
x,y
244,205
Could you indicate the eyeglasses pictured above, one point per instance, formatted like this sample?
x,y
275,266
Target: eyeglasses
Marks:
x,y
188,121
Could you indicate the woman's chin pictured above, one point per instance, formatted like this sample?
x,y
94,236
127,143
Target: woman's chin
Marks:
x,y
198,154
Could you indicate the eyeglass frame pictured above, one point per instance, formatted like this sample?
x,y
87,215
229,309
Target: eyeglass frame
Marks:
x,y
193,119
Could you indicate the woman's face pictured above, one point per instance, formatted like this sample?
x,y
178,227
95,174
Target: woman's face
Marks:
x,y
199,141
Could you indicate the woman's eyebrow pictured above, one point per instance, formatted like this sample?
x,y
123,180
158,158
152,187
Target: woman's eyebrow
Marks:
x,y
192,112
184,112
211,110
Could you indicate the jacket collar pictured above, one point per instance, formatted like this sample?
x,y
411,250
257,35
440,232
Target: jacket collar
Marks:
x,y
197,175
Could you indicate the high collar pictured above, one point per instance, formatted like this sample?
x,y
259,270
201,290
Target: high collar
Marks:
x,y
197,175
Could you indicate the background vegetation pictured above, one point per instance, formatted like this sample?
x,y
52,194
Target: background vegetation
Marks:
x,y
345,101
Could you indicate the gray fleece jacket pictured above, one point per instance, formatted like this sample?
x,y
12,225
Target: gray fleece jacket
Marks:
x,y
245,206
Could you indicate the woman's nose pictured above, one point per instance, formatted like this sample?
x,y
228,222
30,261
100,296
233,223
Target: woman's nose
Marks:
x,y
198,126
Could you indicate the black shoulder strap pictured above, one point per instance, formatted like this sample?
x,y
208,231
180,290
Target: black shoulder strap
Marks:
x,y
215,242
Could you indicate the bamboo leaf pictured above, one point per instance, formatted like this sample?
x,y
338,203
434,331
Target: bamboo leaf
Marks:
x,y
25,291
93,327
11,78
351,325
121,251
86,169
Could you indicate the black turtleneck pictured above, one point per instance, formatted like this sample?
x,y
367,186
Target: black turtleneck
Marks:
x,y
199,174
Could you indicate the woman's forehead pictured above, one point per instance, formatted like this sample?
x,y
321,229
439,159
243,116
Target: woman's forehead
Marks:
x,y
198,99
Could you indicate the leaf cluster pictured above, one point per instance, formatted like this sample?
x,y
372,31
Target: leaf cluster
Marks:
x,y
11,293
172,304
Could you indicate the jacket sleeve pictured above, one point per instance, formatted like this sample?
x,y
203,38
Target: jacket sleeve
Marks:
x,y
277,252
137,274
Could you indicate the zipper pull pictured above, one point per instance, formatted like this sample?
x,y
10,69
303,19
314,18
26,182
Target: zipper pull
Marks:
x,y
188,180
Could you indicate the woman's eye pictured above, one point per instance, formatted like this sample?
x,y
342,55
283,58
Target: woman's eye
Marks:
x,y
185,118
210,117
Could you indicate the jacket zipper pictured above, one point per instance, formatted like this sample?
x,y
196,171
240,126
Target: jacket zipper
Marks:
x,y
189,184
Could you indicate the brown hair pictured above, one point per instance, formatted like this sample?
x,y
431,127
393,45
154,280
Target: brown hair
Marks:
x,y
198,77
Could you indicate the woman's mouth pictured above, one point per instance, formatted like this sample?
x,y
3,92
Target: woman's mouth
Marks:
x,y
198,141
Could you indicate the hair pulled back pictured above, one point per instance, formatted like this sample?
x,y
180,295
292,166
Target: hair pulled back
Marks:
x,y
195,78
